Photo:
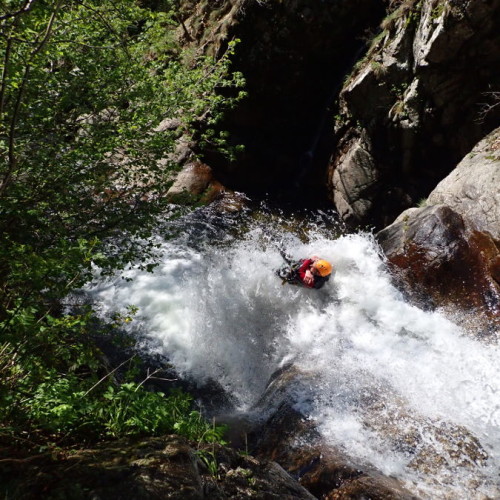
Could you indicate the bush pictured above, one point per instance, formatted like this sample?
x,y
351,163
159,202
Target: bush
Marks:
x,y
84,85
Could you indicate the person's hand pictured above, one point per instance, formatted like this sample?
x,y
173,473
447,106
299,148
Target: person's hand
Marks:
x,y
308,278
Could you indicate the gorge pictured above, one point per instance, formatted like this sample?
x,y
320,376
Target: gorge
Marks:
x,y
371,137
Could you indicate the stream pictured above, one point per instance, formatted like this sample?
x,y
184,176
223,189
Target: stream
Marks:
x,y
400,389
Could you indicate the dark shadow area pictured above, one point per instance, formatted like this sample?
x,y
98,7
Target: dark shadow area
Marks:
x,y
294,58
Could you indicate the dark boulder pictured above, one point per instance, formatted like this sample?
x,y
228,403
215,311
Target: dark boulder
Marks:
x,y
442,261
289,437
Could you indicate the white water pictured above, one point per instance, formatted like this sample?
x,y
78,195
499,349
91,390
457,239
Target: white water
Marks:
x,y
220,313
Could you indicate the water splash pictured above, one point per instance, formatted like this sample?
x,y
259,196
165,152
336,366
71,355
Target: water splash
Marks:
x,y
392,379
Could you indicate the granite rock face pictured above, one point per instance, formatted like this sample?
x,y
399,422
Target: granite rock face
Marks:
x,y
373,143
442,261
194,183
473,188
412,105
292,438
294,56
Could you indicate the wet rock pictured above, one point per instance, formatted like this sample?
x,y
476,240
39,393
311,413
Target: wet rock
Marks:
x,y
291,438
433,447
442,260
231,201
439,451
411,104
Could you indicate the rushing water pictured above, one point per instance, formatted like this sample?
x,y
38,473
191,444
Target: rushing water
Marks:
x,y
387,372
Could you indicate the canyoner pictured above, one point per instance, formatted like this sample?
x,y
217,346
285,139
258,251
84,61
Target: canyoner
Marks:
x,y
309,273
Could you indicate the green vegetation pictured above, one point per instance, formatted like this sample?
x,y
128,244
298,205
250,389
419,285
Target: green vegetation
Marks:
x,y
400,11
83,85
439,9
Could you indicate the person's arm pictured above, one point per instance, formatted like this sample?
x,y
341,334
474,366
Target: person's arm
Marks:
x,y
305,274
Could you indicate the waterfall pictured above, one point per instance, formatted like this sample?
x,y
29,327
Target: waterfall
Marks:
x,y
386,371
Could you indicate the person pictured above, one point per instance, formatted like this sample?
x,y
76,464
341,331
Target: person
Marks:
x,y
311,273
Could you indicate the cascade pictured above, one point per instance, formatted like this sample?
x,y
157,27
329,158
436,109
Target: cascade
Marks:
x,y
385,370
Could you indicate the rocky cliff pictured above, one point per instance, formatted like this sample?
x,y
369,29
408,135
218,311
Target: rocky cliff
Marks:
x,y
412,107
147,469
373,126
294,55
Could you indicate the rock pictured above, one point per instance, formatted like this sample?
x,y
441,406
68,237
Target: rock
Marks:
x,y
433,448
146,469
473,187
231,201
195,183
411,104
151,468
353,179
247,477
447,253
168,124
290,438
442,260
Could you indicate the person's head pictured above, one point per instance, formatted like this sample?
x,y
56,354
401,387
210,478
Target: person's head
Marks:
x,y
322,267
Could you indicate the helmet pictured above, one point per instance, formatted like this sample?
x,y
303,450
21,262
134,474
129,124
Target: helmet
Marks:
x,y
324,267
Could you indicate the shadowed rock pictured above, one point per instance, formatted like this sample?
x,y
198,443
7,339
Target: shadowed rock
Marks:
x,y
293,56
152,468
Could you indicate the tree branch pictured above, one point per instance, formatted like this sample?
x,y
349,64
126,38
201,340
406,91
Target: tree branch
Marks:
x,y
4,75
28,4
152,376
487,107
108,375
17,106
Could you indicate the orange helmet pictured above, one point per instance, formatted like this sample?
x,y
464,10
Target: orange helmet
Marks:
x,y
323,267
